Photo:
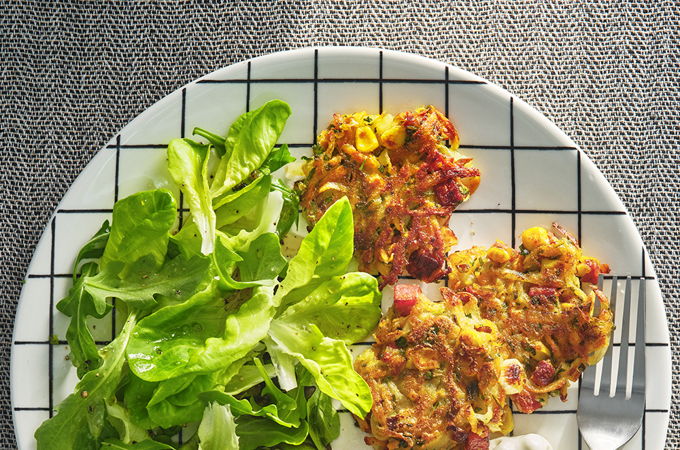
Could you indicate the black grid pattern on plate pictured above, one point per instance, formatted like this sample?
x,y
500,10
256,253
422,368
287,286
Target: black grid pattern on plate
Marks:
x,y
446,82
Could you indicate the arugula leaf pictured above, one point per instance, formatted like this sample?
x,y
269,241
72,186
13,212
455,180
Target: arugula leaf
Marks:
x,y
286,404
93,249
198,335
255,432
217,430
141,282
328,360
188,165
78,305
290,212
249,143
140,228
244,407
278,158
215,140
324,422
80,417
257,266
324,253
346,307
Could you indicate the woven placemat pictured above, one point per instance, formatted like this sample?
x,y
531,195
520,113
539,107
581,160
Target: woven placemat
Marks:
x,y
607,73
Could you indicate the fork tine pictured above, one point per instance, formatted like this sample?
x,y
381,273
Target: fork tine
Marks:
x,y
640,350
588,376
622,377
588,380
605,380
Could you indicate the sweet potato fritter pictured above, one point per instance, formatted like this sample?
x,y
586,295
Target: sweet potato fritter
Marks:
x,y
403,182
513,324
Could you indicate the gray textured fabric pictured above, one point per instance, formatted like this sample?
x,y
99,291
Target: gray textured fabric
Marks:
x,y
73,74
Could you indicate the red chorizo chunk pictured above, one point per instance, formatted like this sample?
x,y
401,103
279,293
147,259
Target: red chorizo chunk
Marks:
x,y
405,297
543,374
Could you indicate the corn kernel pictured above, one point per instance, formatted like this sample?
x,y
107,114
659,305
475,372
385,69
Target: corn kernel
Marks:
x,y
384,160
498,255
366,141
582,269
383,123
394,137
533,238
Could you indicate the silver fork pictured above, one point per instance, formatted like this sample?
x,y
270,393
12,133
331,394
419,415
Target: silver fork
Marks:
x,y
609,422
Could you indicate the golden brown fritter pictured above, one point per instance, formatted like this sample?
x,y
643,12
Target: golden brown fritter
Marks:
x,y
512,325
403,177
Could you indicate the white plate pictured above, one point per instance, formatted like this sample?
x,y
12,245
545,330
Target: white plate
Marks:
x,y
532,174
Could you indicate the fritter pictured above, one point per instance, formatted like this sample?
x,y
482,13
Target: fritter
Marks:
x,y
512,325
403,177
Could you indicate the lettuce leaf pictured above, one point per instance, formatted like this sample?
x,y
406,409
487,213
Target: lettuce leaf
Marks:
x,y
188,165
217,430
278,158
119,417
140,229
263,260
328,360
216,141
259,265
263,219
198,335
176,401
136,396
346,307
248,376
284,364
235,205
235,131
324,253
248,144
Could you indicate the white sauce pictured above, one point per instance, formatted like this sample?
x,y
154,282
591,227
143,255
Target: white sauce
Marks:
x,y
526,442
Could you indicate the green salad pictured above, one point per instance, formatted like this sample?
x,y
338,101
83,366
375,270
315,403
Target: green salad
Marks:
x,y
222,337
